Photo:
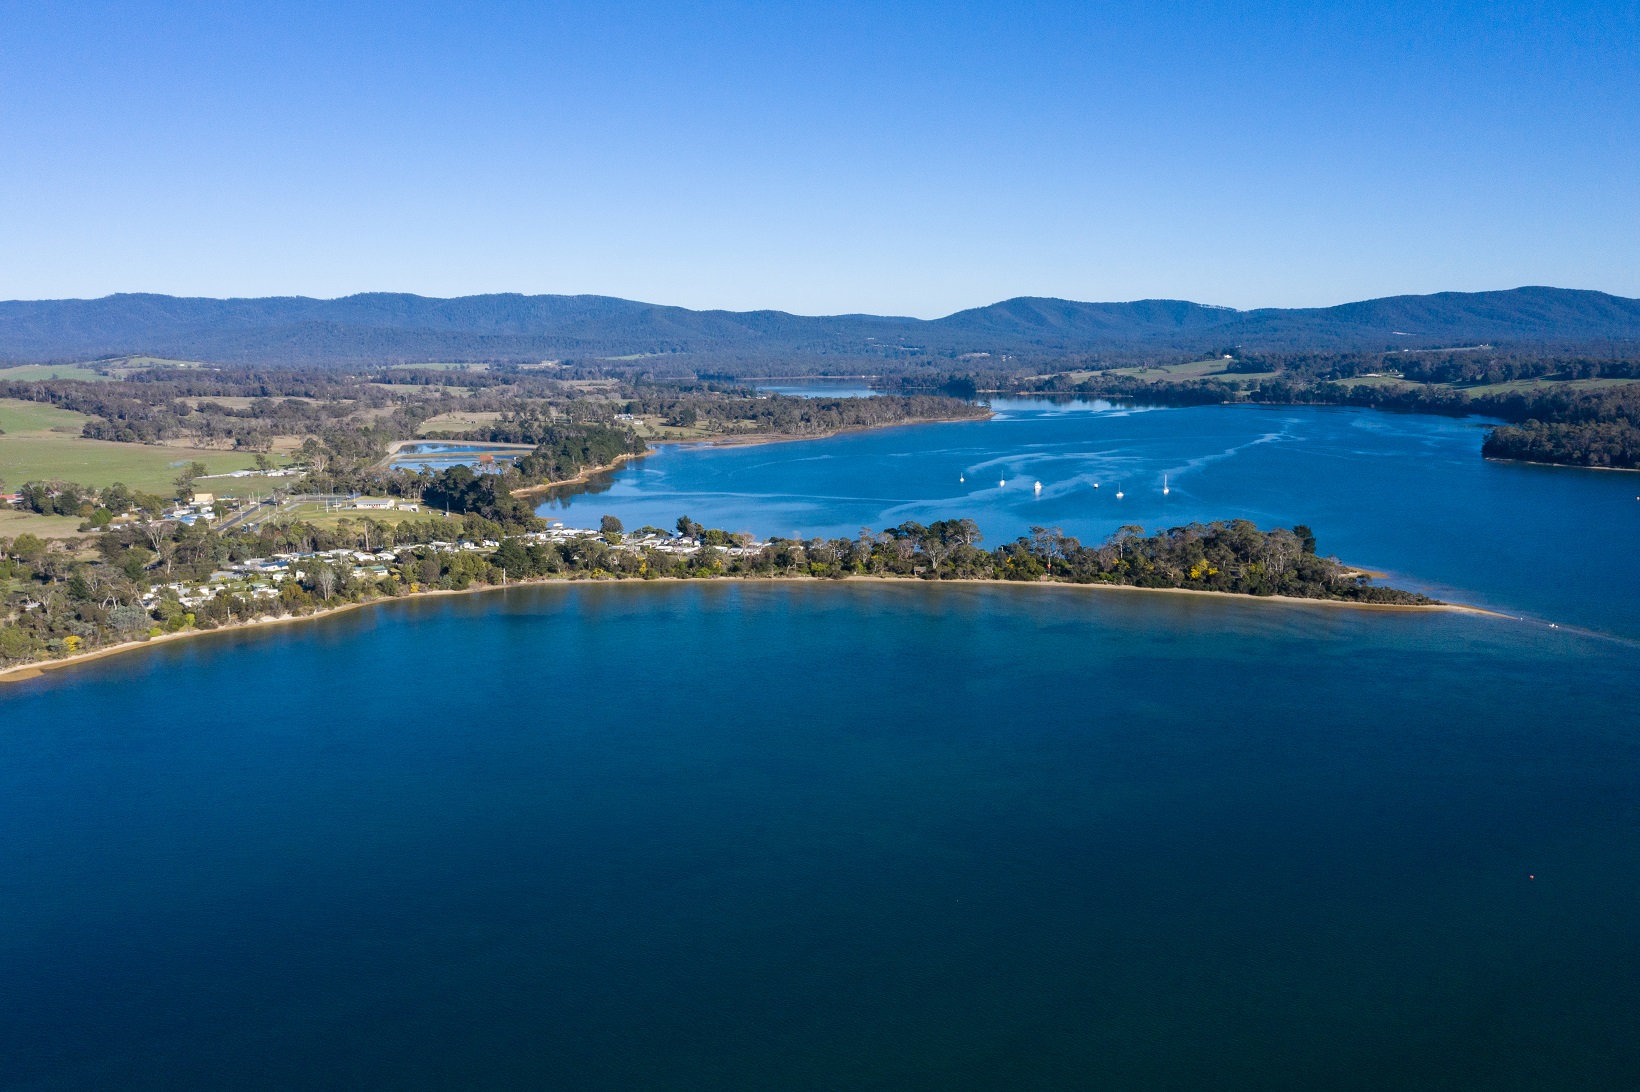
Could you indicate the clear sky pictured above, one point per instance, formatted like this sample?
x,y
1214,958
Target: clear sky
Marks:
x,y
887,157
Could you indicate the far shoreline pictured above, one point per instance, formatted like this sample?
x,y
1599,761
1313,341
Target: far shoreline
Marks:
x,y
23,672
750,439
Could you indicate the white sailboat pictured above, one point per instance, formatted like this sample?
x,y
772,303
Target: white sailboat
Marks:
x,y
1039,489
1164,485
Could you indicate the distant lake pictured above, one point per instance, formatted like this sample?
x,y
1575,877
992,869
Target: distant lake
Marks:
x,y
822,387
877,836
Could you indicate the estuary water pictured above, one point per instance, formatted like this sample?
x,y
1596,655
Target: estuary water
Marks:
x,y
816,836
1406,495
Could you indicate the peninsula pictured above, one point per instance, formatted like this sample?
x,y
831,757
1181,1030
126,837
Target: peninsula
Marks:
x,y
153,581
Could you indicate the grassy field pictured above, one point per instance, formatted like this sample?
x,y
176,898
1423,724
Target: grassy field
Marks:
x,y
138,363
42,442
17,416
31,372
456,422
315,514
1195,369
1545,384
13,523
651,428
254,485
1378,381
39,457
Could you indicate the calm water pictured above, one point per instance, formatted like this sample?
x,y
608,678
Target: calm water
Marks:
x,y
709,837
720,836
817,387
438,456
1402,494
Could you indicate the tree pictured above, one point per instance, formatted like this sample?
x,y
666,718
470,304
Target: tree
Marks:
x,y
185,480
27,548
325,579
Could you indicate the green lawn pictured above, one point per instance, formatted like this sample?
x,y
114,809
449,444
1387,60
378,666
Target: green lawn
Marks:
x,y
30,372
254,485
14,523
19,416
42,442
42,456
315,514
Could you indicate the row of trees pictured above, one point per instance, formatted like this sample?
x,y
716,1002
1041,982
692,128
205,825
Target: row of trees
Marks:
x,y
1233,557
1592,443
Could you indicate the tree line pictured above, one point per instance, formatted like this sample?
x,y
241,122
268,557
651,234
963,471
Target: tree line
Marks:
x,y
60,602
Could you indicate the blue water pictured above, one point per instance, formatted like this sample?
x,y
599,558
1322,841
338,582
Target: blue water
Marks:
x,y
853,836
442,456
817,387
817,837
1402,494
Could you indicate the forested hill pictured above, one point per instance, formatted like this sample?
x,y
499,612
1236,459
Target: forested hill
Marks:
x,y
386,328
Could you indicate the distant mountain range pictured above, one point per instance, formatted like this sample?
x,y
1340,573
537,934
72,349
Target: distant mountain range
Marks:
x,y
386,328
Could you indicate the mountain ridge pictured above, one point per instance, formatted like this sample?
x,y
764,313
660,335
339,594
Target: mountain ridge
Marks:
x,y
389,327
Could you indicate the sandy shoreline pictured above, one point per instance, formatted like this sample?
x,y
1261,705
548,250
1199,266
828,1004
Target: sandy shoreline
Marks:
x,y
24,672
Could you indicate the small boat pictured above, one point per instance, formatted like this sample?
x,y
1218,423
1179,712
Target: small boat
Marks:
x,y
1002,483
962,477
1118,494
1164,485
1038,487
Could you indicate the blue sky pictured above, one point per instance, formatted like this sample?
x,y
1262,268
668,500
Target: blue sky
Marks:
x,y
894,158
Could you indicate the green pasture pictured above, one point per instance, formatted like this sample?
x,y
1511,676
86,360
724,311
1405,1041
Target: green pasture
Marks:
x,y
44,456
31,372
18,416
1545,384
14,523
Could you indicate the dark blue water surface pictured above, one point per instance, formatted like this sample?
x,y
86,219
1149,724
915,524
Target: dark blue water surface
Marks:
x,y
875,836
1404,494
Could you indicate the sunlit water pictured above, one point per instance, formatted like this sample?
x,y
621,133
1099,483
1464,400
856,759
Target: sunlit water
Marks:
x,y
1403,494
895,836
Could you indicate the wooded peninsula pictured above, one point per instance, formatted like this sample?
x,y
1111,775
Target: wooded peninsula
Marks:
x,y
169,577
